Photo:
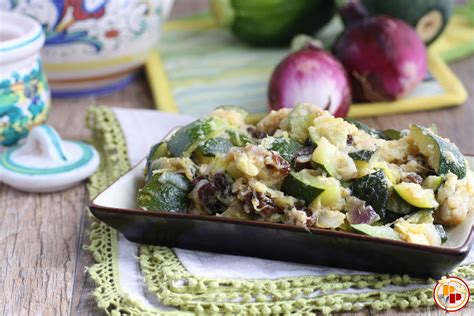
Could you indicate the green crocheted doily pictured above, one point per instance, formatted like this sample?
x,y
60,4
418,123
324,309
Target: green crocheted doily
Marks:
x,y
174,286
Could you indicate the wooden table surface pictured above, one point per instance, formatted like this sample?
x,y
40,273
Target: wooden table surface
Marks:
x,y
42,259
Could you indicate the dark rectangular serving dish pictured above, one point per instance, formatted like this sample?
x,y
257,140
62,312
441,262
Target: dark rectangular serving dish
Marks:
x,y
116,206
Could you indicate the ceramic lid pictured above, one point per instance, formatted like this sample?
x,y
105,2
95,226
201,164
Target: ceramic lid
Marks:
x,y
46,163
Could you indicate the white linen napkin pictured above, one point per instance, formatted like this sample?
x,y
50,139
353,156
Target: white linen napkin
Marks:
x,y
144,128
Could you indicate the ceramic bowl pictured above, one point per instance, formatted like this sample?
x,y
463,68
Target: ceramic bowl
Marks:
x,y
117,207
24,92
94,46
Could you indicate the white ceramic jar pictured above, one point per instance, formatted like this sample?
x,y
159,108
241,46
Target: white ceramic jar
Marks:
x,y
24,92
94,46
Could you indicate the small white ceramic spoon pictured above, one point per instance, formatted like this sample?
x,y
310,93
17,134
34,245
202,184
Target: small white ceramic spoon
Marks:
x,y
46,163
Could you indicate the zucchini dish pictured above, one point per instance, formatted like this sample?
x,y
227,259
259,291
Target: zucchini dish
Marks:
x,y
302,166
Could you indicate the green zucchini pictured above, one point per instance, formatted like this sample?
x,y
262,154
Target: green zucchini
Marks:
x,y
272,22
305,186
396,204
365,128
372,189
363,167
299,119
301,186
421,217
207,151
332,191
415,195
442,233
391,174
432,182
157,151
167,192
443,156
325,155
239,138
376,231
213,147
286,147
362,155
392,134
188,137
388,134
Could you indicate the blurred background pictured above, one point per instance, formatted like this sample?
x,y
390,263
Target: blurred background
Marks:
x,y
250,53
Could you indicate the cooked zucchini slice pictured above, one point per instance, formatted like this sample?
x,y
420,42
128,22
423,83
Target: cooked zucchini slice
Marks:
x,y
214,147
157,151
396,204
332,191
376,231
286,147
415,195
421,217
217,164
325,155
362,155
443,156
305,186
392,134
211,148
388,134
423,234
363,168
361,126
301,186
372,189
391,174
300,119
432,182
239,138
188,137
442,233
167,192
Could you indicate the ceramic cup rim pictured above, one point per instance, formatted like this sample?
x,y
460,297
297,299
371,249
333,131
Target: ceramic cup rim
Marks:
x,y
28,38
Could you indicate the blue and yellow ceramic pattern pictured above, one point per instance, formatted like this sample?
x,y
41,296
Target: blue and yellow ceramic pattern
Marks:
x,y
94,46
24,91
24,103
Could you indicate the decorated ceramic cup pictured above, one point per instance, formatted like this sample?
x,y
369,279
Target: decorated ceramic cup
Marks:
x,y
24,93
94,46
